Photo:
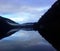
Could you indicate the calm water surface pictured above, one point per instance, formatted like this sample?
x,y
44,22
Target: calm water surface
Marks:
x,y
25,41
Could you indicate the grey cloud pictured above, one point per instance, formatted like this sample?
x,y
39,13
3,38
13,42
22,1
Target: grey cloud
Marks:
x,y
13,6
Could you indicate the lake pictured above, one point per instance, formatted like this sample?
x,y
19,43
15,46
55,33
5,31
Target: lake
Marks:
x,y
25,41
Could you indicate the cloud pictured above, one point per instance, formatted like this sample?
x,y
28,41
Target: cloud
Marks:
x,y
13,6
23,11
30,14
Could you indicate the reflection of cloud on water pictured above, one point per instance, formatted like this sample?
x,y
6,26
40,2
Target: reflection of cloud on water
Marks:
x,y
25,41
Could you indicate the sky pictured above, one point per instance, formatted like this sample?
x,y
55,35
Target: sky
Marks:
x,y
23,11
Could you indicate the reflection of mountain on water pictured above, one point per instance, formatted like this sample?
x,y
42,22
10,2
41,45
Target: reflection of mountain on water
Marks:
x,y
20,40
27,26
25,41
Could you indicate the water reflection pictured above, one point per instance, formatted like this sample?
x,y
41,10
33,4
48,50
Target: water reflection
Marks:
x,y
25,41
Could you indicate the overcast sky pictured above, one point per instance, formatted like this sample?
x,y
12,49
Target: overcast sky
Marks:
x,y
24,10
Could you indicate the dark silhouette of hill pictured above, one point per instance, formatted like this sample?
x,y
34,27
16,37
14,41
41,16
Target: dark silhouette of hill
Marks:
x,y
7,27
49,25
28,26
